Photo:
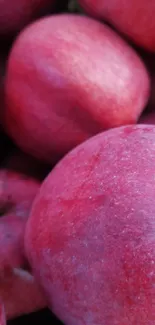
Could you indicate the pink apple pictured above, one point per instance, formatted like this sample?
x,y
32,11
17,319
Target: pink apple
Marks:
x,y
68,78
90,237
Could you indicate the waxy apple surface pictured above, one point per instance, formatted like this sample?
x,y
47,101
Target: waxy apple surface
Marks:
x,y
134,18
68,78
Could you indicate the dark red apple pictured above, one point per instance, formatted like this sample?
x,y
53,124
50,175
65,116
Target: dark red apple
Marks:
x,y
2,314
90,237
3,62
134,18
15,14
68,78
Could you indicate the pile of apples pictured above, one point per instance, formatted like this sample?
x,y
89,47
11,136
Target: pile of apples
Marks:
x,y
77,160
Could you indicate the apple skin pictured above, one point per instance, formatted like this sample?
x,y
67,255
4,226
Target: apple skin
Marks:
x,y
12,229
15,14
17,192
2,314
90,236
20,292
18,189
134,18
76,78
19,183
3,60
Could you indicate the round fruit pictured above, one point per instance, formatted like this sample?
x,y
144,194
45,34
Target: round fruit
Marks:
x,y
90,237
68,78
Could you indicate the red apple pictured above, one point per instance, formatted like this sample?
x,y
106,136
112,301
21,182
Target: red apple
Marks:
x,y
2,314
18,187
20,293
15,14
68,78
134,18
2,68
3,61
90,237
17,192
12,229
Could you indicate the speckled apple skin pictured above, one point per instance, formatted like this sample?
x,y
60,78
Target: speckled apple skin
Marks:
x,y
134,18
90,237
68,78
